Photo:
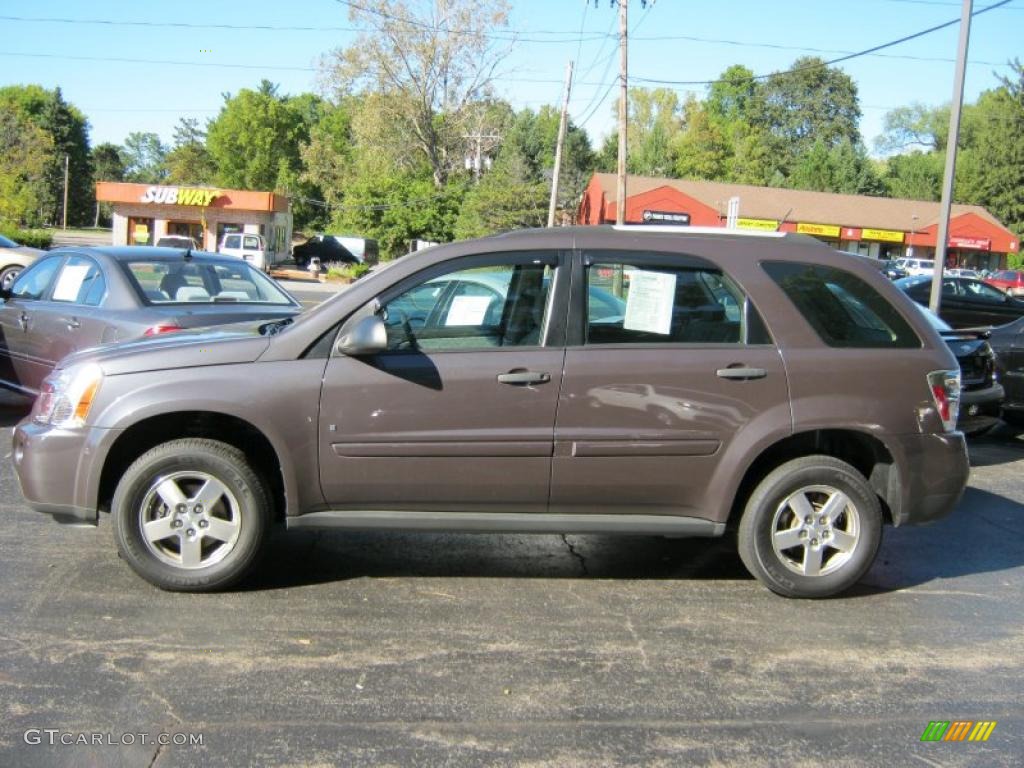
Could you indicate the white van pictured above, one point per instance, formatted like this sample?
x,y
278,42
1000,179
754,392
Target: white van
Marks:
x,y
248,247
916,267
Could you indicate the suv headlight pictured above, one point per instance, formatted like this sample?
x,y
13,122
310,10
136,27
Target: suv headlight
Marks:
x,y
66,396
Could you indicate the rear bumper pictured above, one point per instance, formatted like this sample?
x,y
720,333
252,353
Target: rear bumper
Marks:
x,y
933,475
59,469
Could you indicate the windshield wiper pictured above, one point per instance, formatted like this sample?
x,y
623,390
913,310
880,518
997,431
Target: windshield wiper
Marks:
x,y
269,329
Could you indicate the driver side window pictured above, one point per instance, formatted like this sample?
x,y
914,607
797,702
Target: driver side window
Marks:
x,y
503,305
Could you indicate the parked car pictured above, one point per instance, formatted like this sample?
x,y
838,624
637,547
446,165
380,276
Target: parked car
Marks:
x,y
892,269
961,272
350,418
981,394
916,267
335,248
74,299
966,303
1007,342
177,241
1009,281
14,257
251,248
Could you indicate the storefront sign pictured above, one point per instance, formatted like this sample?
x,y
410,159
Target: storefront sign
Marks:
x,y
179,196
768,225
971,243
821,230
666,217
886,235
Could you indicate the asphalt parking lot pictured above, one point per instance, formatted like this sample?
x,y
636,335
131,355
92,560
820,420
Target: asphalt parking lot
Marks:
x,y
395,649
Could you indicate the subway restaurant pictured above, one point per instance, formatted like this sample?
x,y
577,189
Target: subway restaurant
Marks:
x,y
143,213
878,227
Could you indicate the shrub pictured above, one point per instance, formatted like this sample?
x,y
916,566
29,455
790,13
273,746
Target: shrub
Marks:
x,y
33,238
343,270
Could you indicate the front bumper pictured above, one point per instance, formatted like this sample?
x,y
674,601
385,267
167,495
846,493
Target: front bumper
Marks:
x,y
59,469
932,477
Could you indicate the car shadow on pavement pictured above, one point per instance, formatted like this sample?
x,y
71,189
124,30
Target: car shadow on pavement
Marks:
x,y
301,558
985,534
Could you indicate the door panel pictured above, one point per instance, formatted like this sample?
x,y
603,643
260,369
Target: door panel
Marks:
x,y
656,452
24,360
417,431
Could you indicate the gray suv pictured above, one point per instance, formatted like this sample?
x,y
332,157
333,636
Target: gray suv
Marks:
x,y
635,380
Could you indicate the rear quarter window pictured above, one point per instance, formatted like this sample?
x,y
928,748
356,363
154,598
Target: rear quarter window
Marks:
x,y
843,309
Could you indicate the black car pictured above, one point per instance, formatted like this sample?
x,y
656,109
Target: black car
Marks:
x,y
966,302
981,394
1008,343
327,248
892,269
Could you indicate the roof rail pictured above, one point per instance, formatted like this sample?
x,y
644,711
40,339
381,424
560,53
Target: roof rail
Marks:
x,y
683,229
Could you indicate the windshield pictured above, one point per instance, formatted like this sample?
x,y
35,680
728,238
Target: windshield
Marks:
x,y
7,243
179,282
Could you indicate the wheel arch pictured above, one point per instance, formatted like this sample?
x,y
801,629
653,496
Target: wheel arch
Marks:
x,y
156,429
865,452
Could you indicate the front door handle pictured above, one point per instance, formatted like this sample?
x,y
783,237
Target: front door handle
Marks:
x,y
72,323
23,321
524,377
741,373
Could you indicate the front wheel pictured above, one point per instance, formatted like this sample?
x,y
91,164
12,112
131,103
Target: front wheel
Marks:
x,y
8,276
191,515
811,528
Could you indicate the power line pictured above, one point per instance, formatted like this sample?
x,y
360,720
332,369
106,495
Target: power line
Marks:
x,y
838,60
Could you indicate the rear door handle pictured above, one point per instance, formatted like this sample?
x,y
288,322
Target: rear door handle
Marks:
x,y
524,377
72,323
741,373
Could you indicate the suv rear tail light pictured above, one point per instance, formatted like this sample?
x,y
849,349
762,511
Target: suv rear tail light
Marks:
x,y
945,387
156,330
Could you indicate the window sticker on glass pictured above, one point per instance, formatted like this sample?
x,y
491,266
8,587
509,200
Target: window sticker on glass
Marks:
x,y
468,310
70,282
649,303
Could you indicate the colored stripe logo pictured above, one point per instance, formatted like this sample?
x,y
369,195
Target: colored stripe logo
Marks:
x,y
958,730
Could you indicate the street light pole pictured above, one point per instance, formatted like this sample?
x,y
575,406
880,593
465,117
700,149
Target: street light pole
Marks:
x,y
954,135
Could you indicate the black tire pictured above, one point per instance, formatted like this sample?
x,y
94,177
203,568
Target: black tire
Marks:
x,y
858,525
8,275
243,508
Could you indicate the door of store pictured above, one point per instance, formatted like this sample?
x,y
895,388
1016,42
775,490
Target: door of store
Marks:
x,y
140,231
187,229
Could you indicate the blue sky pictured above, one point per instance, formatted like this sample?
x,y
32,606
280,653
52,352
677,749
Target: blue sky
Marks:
x,y
124,96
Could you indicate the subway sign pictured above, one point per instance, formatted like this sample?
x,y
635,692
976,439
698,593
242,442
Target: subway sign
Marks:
x,y
179,196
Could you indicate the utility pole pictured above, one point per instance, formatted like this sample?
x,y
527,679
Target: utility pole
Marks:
x,y
620,203
67,159
558,146
942,236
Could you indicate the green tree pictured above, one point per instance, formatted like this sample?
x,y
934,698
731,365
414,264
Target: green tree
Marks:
x,y
993,163
843,168
189,162
654,124
506,198
144,158
69,134
914,176
108,165
703,149
25,156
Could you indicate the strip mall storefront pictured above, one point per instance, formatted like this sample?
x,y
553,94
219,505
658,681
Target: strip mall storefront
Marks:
x,y
881,228
144,213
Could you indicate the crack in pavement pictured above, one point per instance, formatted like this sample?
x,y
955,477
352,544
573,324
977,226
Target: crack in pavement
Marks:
x,y
574,553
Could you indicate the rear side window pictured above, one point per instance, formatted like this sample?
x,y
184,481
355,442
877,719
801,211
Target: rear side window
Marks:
x,y
843,309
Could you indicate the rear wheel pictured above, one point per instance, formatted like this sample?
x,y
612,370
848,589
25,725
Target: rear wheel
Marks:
x,y
811,528
191,515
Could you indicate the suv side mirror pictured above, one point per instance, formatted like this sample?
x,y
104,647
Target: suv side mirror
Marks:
x,y
365,336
